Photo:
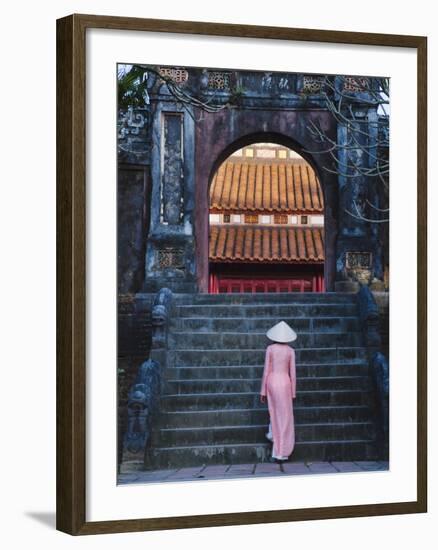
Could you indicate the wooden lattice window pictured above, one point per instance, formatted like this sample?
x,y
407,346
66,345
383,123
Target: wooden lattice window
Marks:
x,y
280,218
304,220
251,218
227,218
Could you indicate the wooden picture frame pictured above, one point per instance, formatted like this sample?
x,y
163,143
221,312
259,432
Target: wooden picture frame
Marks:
x,y
71,273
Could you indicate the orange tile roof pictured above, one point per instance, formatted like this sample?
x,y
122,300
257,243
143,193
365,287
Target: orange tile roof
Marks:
x,y
271,243
272,187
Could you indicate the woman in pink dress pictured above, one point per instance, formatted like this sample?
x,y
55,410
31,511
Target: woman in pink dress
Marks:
x,y
279,386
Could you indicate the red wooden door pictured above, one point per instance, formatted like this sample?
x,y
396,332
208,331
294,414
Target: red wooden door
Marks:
x,y
225,285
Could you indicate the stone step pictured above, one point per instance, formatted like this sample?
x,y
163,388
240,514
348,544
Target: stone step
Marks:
x,y
262,324
210,411
357,368
251,400
276,311
250,453
223,435
265,297
237,340
225,385
221,417
253,356
178,287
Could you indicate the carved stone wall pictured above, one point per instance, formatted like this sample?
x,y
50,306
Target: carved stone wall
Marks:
x,y
133,136
134,328
133,192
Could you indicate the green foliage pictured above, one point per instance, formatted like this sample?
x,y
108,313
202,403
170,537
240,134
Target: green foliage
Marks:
x,y
132,87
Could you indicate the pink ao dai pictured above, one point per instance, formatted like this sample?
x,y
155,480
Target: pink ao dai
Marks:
x,y
279,385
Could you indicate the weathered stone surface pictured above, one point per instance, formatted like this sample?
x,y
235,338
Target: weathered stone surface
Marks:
x,y
133,220
347,467
172,183
133,139
292,468
267,469
371,465
321,467
155,476
185,473
142,406
250,471
240,470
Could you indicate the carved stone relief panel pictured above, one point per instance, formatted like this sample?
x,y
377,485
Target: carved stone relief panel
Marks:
x,y
359,266
172,169
132,135
169,257
359,260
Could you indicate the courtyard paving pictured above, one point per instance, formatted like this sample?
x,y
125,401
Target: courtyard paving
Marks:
x,y
133,472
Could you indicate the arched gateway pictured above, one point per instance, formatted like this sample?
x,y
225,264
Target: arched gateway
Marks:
x,y
266,223
280,128
169,152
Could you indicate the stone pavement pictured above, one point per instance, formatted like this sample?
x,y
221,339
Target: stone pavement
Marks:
x,y
132,472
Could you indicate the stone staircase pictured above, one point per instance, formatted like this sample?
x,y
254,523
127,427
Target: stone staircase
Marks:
x,y
210,407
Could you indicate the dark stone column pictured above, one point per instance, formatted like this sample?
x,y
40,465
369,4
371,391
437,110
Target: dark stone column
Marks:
x,y
170,258
359,247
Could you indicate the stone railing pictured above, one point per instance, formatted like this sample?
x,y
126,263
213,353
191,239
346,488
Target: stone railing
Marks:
x,y
143,401
380,369
144,395
369,317
370,321
161,311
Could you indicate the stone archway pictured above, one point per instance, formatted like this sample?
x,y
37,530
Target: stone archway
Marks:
x,y
182,148
211,153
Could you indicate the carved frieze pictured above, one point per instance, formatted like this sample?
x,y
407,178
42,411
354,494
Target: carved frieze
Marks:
x,y
177,75
312,84
131,122
132,135
355,84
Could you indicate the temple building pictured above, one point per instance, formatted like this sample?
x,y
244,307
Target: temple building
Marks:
x,y
266,220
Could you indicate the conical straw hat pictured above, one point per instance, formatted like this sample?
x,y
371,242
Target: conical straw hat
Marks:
x,y
281,332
